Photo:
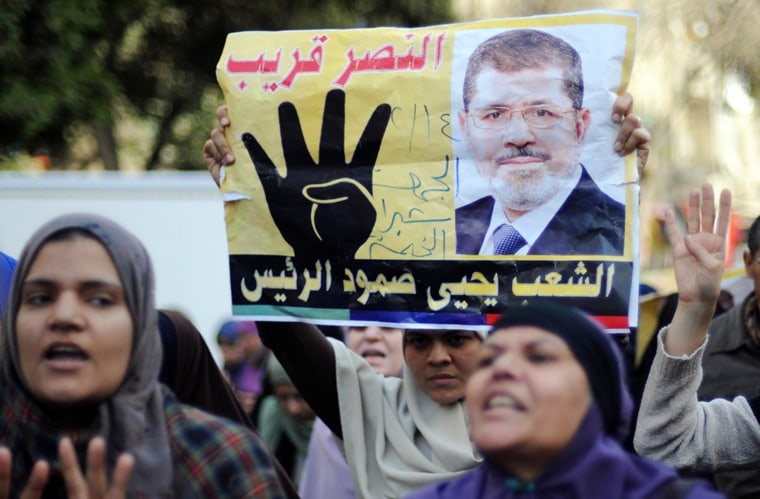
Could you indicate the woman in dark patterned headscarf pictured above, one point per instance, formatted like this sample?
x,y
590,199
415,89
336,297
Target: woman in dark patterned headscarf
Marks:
x,y
548,409
80,358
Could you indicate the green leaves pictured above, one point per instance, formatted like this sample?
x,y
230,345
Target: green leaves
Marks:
x,y
69,68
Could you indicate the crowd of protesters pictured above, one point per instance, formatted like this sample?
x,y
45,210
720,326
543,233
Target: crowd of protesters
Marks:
x,y
93,403
104,395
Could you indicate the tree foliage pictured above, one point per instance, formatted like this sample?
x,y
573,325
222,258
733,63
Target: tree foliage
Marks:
x,y
68,68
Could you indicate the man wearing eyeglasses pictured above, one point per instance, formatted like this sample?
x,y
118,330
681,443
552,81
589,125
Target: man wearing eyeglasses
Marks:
x,y
524,124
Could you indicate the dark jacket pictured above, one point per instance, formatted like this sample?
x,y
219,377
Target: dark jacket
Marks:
x,y
731,367
588,223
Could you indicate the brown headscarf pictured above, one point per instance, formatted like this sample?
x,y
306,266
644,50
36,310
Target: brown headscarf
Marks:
x,y
191,372
185,351
132,419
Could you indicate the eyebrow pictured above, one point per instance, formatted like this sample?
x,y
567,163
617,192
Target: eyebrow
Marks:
x,y
534,102
492,345
83,285
439,334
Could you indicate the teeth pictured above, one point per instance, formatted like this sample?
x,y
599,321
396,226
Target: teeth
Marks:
x,y
65,349
502,401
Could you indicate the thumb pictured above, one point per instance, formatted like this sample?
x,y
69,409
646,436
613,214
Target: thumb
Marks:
x,y
709,260
336,191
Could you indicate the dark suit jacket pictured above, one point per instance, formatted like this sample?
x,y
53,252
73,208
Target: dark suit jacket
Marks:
x,y
588,223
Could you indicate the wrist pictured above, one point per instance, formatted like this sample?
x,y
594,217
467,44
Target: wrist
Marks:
x,y
688,329
696,312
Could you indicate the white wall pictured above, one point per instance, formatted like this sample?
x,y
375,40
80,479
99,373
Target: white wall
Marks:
x,y
178,216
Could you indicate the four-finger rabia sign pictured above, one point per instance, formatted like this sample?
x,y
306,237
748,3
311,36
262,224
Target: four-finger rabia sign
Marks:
x,y
431,176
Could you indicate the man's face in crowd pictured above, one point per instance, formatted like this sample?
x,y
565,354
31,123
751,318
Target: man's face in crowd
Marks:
x,y
752,267
525,164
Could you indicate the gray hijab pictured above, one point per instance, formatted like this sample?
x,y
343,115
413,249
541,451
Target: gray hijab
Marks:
x,y
132,419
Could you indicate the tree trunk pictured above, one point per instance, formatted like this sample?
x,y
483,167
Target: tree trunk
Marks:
x,y
106,146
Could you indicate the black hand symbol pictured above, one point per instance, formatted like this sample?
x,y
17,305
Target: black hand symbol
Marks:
x,y
322,209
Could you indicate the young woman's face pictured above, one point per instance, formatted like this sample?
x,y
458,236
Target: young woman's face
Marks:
x,y
441,361
293,403
381,347
526,399
73,327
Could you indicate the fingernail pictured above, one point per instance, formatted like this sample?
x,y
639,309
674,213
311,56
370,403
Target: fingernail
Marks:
x,y
224,121
228,158
618,146
616,118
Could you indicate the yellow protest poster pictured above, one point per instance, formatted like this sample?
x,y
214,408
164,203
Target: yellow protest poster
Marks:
x,y
430,176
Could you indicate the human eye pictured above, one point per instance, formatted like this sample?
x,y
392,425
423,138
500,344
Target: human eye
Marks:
x,y
286,397
486,359
487,355
457,340
418,341
101,294
540,356
491,116
36,295
101,300
542,112
36,298
105,296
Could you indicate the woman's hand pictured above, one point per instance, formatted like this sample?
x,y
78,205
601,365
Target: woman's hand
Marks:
x,y
698,260
93,486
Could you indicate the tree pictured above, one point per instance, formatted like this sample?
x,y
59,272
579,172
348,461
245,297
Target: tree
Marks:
x,y
73,68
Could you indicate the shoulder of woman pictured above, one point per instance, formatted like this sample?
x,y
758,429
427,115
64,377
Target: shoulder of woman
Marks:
x,y
199,437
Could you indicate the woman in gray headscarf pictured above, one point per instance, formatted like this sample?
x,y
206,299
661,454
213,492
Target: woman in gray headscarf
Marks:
x,y
80,358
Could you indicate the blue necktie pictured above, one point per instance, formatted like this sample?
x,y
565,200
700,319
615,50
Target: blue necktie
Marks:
x,y
506,240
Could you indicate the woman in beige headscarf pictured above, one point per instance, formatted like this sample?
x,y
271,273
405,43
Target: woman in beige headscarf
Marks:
x,y
398,433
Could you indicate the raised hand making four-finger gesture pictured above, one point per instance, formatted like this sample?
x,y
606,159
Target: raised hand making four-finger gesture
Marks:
x,y
698,261
322,208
